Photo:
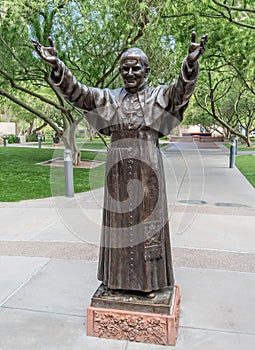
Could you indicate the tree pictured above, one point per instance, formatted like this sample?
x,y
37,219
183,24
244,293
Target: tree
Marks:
x,y
19,75
228,66
91,36
245,112
228,70
228,107
198,116
88,40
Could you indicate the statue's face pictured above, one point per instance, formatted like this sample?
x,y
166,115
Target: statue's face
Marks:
x,y
133,73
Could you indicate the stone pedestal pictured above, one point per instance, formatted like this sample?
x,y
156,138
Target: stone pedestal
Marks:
x,y
132,317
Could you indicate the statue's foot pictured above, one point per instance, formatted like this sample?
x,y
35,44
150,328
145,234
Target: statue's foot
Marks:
x,y
151,295
106,291
109,292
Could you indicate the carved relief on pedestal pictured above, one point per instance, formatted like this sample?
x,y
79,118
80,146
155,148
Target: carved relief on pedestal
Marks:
x,y
177,313
133,328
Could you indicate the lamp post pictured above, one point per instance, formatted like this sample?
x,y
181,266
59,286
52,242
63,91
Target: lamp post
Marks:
x,y
39,138
236,145
232,154
68,165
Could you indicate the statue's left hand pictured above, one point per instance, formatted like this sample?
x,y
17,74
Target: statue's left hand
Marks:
x,y
196,50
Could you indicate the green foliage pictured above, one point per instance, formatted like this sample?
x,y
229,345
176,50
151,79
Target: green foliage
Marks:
x,y
238,12
11,138
91,35
32,138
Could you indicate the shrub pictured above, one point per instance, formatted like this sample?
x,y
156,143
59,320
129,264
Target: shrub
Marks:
x,y
11,138
31,138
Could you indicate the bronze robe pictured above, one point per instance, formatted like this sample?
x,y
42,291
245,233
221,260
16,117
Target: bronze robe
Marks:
x,y
135,252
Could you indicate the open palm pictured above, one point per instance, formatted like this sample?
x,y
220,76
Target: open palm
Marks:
x,y
197,49
48,54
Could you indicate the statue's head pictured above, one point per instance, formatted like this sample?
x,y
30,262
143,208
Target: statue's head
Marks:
x,y
134,68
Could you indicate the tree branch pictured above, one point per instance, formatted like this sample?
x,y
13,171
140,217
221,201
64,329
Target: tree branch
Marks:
x,y
32,93
233,8
240,74
13,53
132,42
229,16
34,111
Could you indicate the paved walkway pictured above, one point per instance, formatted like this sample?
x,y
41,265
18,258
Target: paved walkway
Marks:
x,y
49,251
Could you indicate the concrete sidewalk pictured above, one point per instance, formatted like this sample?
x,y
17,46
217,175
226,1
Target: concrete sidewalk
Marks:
x,y
49,251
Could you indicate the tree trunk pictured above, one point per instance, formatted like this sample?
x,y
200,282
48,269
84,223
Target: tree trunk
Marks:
x,y
76,155
29,130
248,141
91,133
70,143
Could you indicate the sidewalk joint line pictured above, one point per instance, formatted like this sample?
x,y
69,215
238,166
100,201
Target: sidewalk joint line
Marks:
x,y
217,330
43,229
214,250
214,269
38,270
42,311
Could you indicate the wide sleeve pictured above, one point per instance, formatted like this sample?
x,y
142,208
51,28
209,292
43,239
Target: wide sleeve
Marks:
x,y
178,94
79,95
175,98
167,104
99,105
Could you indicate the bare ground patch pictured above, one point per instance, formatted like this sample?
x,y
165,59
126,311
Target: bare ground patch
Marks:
x,y
59,162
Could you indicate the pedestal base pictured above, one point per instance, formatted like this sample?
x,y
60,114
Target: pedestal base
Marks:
x,y
155,328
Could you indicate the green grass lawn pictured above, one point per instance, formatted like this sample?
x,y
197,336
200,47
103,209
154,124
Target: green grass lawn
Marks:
x,y
21,178
81,144
97,145
241,147
245,148
246,164
92,145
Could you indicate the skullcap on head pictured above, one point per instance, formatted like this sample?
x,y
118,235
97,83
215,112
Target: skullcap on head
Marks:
x,y
135,54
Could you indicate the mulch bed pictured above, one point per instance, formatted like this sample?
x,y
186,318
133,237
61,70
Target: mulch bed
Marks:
x,y
87,164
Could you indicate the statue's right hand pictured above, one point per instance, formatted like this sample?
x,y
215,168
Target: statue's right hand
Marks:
x,y
48,54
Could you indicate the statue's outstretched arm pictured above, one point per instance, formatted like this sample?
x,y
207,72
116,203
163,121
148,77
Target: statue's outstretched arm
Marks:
x,y
61,77
180,92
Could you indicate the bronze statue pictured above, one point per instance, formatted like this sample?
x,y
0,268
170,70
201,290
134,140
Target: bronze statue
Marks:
x,y
135,253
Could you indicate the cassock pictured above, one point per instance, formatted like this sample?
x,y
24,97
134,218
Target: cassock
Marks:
x,y
135,251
